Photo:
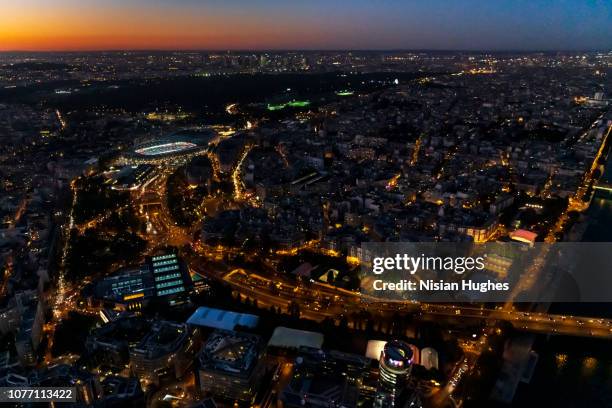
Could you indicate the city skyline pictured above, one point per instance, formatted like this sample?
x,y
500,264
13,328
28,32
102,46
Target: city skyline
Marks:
x,y
67,25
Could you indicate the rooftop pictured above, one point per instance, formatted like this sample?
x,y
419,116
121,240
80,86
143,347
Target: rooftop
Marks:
x,y
292,338
163,338
221,319
231,353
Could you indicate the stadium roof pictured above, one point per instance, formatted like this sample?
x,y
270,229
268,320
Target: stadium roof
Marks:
x,y
221,319
292,338
165,148
174,144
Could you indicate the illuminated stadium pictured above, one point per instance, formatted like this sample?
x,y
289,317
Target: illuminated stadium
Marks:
x,y
183,144
157,149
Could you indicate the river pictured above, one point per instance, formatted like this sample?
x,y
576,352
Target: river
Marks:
x,y
576,372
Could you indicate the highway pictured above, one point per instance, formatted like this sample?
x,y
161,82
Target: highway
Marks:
x,y
318,301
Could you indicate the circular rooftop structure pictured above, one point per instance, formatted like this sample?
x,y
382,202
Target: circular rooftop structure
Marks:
x,y
397,355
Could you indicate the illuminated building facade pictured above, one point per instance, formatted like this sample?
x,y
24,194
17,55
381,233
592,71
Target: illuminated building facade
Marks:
x,y
395,367
163,276
170,277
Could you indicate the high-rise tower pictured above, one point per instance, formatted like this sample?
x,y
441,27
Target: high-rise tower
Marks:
x,y
395,366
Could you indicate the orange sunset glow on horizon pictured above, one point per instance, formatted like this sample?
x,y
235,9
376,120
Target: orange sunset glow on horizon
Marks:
x,y
86,28
69,25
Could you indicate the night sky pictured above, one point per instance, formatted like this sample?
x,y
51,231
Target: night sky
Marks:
x,y
306,24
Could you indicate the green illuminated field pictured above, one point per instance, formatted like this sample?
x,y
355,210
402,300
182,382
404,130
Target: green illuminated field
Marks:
x,y
291,104
344,93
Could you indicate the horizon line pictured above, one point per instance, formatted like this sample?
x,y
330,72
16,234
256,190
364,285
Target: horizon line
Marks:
x,y
260,50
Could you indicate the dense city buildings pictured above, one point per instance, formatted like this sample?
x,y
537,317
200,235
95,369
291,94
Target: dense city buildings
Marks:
x,y
191,228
